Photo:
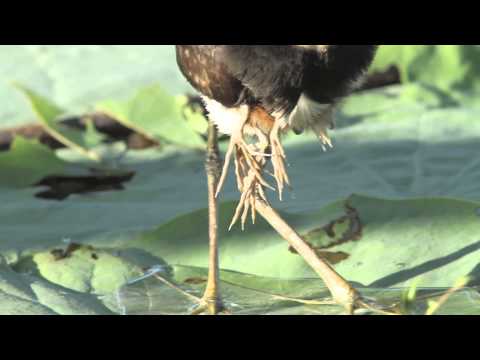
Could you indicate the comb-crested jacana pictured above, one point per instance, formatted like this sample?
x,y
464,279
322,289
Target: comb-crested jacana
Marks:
x,y
254,93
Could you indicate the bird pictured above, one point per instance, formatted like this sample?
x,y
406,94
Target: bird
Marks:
x,y
255,94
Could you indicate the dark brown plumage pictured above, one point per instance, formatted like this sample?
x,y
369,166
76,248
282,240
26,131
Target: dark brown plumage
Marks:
x,y
264,90
274,76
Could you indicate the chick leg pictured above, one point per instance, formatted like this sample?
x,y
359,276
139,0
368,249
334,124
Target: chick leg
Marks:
x,y
248,181
211,301
342,292
249,160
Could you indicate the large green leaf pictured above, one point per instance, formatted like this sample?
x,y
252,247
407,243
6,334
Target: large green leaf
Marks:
x,y
48,115
409,153
400,241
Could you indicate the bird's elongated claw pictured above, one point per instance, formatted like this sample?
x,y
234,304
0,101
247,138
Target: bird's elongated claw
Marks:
x,y
251,187
226,165
258,174
250,161
241,148
278,158
235,140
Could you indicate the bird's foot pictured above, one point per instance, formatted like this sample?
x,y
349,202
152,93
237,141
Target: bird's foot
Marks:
x,y
210,306
358,306
371,306
251,185
250,160
246,156
350,299
211,303
278,157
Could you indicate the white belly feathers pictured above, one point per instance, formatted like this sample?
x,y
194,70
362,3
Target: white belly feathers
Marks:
x,y
225,118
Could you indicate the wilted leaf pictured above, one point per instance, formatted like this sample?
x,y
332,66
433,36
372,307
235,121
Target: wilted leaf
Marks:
x,y
155,114
48,114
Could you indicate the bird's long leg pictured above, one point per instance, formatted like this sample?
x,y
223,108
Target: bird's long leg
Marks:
x,y
211,301
249,162
342,292
254,199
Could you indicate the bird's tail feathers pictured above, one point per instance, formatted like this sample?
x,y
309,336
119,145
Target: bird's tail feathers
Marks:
x,y
312,115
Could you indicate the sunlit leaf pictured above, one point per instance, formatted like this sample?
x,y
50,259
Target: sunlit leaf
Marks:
x,y
155,114
48,114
